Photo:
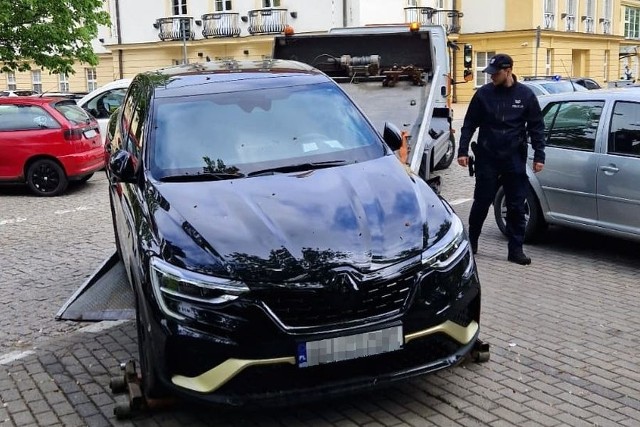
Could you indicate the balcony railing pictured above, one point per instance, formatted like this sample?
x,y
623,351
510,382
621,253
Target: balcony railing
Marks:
x,y
589,24
606,25
448,18
569,22
549,21
221,24
267,21
175,28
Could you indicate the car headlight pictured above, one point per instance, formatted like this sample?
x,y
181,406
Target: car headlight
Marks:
x,y
171,283
444,252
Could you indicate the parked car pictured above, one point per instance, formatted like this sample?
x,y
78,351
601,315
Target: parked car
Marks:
x,y
47,142
587,82
67,95
17,92
592,170
104,101
276,246
550,85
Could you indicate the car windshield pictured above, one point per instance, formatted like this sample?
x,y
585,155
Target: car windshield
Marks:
x,y
72,112
562,86
248,132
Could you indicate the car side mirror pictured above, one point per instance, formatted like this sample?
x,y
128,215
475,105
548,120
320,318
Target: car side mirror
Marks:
x,y
392,136
123,166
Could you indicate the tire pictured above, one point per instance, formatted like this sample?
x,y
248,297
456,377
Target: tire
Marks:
x,y
46,177
446,161
151,387
533,214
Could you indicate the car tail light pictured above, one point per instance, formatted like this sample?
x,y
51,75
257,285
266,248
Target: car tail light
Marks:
x,y
73,134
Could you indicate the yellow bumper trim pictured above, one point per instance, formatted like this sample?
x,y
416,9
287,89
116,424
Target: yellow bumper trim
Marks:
x,y
215,378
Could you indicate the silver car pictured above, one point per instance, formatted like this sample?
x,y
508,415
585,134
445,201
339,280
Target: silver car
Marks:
x,y
592,171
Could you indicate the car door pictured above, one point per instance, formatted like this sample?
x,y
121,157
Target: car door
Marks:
x,y
125,196
618,183
103,105
568,180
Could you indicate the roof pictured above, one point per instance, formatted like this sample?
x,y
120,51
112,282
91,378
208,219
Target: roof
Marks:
x,y
628,94
193,79
34,100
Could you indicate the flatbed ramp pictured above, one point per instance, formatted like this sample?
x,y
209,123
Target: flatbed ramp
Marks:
x,y
105,295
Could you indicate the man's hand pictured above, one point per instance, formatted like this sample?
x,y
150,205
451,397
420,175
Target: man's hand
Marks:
x,y
463,161
537,167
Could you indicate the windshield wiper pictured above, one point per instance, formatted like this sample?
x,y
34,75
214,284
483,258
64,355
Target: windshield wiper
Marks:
x,y
202,176
300,167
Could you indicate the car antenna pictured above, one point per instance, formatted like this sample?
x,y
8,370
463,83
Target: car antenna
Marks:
x,y
573,86
43,93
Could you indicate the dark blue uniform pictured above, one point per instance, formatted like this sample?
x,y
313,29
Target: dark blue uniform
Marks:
x,y
505,116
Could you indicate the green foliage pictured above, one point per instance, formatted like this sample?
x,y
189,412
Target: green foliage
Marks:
x,y
53,34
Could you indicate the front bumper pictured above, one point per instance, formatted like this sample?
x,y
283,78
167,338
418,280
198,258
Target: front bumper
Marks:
x,y
249,358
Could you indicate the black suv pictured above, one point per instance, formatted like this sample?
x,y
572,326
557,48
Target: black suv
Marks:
x,y
276,246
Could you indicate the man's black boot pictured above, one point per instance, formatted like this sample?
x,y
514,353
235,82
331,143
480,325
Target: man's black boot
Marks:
x,y
519,258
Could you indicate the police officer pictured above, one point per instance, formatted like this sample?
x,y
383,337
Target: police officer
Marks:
x,y
507,112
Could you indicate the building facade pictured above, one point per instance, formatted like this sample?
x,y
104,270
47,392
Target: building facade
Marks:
x,y
594,38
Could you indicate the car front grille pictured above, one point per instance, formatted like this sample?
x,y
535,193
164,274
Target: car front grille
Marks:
x,y
300,308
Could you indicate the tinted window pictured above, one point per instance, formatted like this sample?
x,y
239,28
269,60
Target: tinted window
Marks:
x,y
73,113
624,135
536,90
25,117
275,125
133,115
572,124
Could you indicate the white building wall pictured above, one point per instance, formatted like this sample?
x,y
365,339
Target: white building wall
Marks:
x,y
481,16
380,12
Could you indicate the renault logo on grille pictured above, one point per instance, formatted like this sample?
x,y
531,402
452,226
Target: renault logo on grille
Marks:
x,y
343,283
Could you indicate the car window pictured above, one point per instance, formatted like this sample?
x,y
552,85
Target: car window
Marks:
x,y
572,124
624,134
106,103
25,117
562,86
133,114
536,90
72,112
241,129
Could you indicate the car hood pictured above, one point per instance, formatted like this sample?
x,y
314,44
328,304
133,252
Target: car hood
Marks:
x,y
286,226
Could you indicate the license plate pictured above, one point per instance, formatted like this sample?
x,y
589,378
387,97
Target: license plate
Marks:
x,y
90,133
349,347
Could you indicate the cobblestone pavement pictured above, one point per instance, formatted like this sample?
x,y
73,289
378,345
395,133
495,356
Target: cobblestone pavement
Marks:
x,y
564,332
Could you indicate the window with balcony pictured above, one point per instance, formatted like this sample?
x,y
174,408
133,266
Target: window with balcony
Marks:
x,y
588,20
179,7
570,15
631,23
36,81
605,21
11,81
549,14
482,59
223,6
270,3
92,79
63,82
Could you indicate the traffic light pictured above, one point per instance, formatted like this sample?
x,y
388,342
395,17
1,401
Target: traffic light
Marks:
x,y
468,56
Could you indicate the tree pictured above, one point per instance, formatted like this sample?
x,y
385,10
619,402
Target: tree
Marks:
x,y
53,34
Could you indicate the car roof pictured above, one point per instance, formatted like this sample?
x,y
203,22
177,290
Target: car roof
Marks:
x,y
193,79
34,100
622,94
116,84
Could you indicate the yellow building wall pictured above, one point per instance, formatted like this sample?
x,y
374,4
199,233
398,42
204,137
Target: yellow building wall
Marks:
x,y
520,15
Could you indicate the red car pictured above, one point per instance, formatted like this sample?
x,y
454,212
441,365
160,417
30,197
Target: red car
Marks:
x,y
47,142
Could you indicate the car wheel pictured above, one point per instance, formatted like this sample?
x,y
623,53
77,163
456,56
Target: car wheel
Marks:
x,y
45,177
533,215
150,384
446,161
